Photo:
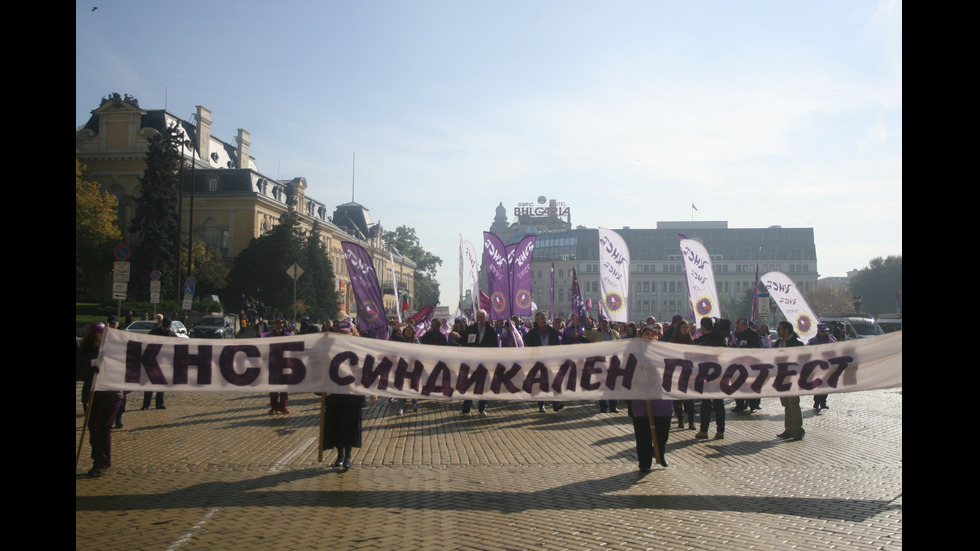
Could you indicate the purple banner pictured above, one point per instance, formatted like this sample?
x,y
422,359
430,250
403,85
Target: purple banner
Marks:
x,y
367,292
498,276
520,269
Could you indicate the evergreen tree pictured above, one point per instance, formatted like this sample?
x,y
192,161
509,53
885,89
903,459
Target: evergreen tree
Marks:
x,y
318,278
406,242
260,270
155,220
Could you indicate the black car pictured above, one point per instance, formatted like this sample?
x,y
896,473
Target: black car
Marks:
x,y
214,327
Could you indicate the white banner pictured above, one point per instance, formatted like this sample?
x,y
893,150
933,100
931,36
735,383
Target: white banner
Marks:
x,y
791,302
701,288
625,369
614,272
470,266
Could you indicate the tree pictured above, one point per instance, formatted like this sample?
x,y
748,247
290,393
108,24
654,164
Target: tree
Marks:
x,y
405,241
96,227
879,285
259,271
736,307
208,267
155,220
318,278
825,300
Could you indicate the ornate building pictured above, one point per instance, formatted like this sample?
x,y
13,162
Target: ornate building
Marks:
x,y
226,198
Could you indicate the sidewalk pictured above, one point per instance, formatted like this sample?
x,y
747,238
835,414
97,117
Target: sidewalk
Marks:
x,y
214,471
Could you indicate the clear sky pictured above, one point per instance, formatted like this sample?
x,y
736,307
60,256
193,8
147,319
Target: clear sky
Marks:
x,y
760,113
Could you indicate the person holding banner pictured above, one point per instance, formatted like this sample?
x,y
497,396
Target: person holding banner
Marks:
x,y
651,422
822,337
342,417
682,335
602,334
713,334
543,335
105,404
278,400
794,417
478,335
407,335
746,337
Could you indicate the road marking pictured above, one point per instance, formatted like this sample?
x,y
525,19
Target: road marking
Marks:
x,y
187,537
278,465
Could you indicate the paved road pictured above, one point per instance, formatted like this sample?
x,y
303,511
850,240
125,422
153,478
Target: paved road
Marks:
x,y
214,471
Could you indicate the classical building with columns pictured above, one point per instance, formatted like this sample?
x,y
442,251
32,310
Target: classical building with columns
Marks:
x,y
233,201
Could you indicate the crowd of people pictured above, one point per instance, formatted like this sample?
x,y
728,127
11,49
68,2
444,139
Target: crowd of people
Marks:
x,y
652,419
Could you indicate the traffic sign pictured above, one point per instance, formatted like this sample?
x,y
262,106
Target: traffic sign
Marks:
x,y
294,271
155,275
155,287
120,271
120,287
122,252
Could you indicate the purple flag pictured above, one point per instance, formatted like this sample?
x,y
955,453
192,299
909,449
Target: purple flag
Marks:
x,y
578,305
422,320
367,292
498,276
484,302
520,269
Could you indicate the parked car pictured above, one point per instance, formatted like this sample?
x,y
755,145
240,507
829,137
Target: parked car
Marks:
x,y
856,327
214,327
890,322
145,326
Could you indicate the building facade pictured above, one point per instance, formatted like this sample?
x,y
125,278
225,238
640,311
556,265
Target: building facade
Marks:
x,y
227,200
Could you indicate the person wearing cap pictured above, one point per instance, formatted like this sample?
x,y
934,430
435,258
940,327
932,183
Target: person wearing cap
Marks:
x,y
161,330
105,403
543,335
278,400
823,336
746,337
602,334
479,335
793,423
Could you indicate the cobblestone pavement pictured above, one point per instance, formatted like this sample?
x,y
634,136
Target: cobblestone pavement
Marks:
x,y
214,471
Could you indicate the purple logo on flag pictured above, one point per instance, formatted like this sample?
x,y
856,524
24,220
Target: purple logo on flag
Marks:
x,y
614,302
523,298
703,306
498,302
803,323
